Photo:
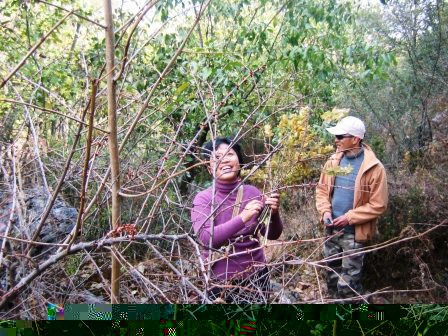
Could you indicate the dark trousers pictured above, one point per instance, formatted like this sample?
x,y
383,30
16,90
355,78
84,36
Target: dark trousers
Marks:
x,y
254,289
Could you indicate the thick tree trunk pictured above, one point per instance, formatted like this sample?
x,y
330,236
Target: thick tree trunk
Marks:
x,y
113,143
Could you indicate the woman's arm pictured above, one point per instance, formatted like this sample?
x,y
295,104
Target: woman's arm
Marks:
x,y
201,218
275,227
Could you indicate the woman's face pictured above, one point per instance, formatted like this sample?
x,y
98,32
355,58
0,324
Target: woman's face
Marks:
x,y
228,165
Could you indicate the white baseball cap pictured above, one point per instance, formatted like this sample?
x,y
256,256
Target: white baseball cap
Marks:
x,y
349,125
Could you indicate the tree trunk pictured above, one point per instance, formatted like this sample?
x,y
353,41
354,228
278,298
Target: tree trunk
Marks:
x,y
113,144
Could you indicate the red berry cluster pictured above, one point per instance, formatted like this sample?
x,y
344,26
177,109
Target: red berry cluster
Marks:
x,y
129,228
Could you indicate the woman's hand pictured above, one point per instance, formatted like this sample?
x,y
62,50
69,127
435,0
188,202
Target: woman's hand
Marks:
x,y
273,201
251,209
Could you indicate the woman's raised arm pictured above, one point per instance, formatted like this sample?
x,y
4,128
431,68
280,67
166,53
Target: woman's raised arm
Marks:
x,y
200,216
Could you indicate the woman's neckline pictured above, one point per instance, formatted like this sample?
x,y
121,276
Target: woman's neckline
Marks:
x,y
227,186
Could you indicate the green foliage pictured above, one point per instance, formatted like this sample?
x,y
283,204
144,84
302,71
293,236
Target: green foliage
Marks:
x,y
378,146
291,40
299,144
73,262
270,71
402,100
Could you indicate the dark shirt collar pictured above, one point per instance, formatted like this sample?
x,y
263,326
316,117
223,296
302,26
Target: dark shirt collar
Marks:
x,y
356,155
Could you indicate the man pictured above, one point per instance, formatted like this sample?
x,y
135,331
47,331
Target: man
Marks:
x,y
350,203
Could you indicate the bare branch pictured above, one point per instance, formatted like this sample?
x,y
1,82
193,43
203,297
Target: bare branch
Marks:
x,y
74,13
33,49
52,111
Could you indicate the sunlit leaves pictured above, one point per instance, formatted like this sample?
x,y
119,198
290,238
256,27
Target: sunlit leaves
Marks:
x,y
268,131
206,72
300,146
311,41
332,171
334,115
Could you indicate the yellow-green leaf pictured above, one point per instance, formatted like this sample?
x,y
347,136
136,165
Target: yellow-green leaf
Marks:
x,y
181,88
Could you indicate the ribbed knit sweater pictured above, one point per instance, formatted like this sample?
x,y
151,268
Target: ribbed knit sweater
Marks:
x,y
344,191
227,228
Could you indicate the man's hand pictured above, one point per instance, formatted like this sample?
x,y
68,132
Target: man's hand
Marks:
x,y
326,218
341,221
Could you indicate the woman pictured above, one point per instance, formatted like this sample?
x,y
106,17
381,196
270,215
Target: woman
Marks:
x,y
234,228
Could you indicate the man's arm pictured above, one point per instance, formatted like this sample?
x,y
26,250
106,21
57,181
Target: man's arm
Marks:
x,y
323,200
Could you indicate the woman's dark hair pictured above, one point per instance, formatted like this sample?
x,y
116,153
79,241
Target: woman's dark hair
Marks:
x,y
208,147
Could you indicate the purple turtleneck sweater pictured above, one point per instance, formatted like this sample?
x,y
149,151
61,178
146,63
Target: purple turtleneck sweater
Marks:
x,y
227,227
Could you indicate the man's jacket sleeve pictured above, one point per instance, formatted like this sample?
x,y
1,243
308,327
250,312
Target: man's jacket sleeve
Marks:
x,y
323,189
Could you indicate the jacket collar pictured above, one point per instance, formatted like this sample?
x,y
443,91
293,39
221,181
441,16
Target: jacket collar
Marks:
x,y
369,158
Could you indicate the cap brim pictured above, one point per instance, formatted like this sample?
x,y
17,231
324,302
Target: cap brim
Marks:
x,y
336,130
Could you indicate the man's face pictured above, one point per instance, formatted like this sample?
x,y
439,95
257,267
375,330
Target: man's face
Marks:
x,y
346,143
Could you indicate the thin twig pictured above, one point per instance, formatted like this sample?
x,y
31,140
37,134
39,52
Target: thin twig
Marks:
x,y
163,181
61,182
128,42
30,241
74,13
93,245
178,273
318,284
52,111
143,108
33,49
79,220
13,205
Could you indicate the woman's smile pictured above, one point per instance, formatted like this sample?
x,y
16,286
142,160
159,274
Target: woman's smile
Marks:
x,y
228,167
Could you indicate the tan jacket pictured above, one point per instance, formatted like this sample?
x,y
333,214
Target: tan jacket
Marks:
x,y
370,199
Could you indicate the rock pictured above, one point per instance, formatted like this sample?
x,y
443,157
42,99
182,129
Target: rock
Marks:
x,y
275,286
63,213
284,299
88,297
141,268
295,295
219,301
302,286
58,225
288,297
445,279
